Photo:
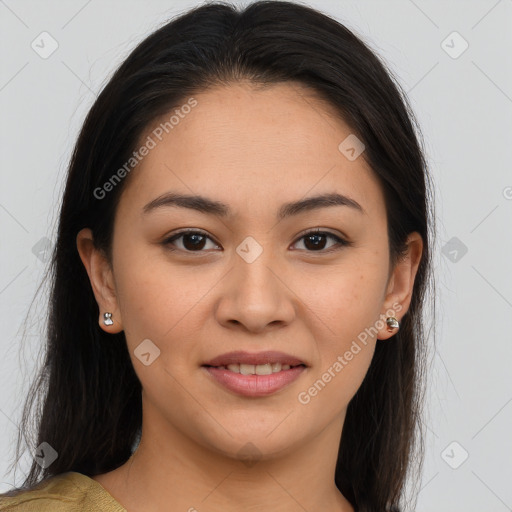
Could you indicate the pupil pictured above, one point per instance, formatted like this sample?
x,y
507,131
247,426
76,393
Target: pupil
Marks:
x,y
198,238
316,245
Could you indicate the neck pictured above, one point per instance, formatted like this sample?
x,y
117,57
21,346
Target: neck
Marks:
x,y
171,471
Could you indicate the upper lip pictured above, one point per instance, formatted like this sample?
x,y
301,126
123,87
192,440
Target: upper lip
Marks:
x,y
242,357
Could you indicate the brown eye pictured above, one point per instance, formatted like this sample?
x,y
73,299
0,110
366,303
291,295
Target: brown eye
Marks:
x,y
192,241
315,241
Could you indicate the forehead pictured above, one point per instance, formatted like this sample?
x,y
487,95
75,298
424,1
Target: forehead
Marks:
x,y
251,145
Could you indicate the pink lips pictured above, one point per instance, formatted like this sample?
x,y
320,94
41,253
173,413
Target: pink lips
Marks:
x,y
254,385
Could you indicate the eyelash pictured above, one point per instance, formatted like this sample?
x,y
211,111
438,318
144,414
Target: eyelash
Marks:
x,y
341,242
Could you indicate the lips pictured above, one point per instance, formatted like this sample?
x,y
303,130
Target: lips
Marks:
x,y
255,374
259,358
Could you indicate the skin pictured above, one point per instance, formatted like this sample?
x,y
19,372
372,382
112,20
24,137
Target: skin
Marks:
x,y
253,150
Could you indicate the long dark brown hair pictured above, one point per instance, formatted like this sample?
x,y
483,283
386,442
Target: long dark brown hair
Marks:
x,y
86,400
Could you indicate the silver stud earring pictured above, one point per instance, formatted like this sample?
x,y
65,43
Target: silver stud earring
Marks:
x,y
107,319
392,323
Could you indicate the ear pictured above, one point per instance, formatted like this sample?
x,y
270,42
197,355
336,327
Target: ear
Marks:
x,y
400,284
101,277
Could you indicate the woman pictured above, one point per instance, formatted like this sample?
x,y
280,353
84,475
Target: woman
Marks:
x,y
239,277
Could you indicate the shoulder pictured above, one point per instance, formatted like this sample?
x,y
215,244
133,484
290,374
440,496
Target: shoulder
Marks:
x,y
67,492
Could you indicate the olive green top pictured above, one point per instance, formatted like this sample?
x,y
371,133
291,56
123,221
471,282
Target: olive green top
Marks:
x,y
67,492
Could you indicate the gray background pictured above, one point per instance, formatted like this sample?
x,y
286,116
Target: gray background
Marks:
x,y
464,105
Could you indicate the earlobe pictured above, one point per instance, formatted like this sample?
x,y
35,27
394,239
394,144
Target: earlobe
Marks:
x,y
400,286
101,279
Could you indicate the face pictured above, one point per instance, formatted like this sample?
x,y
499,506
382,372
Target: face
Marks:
x,y
190,284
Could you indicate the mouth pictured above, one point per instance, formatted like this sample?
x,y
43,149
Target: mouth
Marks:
x,y
245,360
255,375
256,369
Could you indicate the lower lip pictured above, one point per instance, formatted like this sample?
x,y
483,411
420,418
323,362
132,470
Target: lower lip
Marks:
x,y
255,385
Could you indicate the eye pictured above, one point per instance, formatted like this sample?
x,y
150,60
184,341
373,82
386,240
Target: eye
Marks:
x,y
195,241
315,240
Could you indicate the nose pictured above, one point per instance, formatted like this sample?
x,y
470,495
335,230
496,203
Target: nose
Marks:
x,y
255,296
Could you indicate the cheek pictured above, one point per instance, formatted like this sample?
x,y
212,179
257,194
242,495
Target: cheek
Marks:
x,y
345,354
162,307
347,309
155,295
351,301
167,304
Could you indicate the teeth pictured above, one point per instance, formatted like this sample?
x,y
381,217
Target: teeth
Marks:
x,y
263,369
257,369
247,369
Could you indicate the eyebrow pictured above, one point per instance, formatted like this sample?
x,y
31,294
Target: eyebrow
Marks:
x,y
219,209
